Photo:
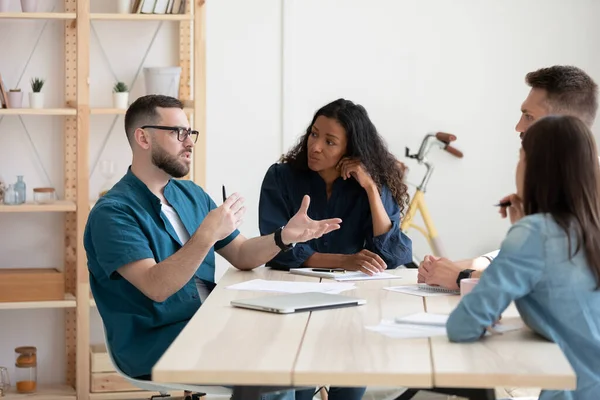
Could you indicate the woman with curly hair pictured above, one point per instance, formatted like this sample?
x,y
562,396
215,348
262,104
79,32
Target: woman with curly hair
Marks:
x,y
343,164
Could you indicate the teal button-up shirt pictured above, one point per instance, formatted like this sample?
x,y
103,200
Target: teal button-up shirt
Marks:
x,y
127,225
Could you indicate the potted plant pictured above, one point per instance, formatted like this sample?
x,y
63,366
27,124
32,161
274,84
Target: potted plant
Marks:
x,y
15,98
120,95
36,98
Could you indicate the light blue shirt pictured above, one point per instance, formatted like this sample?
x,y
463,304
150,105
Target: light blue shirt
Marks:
x,y
555,296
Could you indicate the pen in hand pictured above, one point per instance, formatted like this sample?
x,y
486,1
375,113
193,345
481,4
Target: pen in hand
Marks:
x,y
503,204
224,194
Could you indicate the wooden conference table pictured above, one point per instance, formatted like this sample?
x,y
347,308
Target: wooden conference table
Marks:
x,y
223,345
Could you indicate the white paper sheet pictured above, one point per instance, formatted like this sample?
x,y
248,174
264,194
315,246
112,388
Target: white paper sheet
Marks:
x,y
343,276
361,276
407,331
419,290
429,319
423,325
262,285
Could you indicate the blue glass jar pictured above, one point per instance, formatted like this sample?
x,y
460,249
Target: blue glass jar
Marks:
x,y
21,190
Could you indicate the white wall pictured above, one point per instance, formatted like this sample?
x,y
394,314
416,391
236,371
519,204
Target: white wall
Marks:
x,y
416,66
436,65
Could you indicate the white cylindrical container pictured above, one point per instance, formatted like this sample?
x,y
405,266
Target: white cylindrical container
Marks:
x,y
120,99
162,80
36,100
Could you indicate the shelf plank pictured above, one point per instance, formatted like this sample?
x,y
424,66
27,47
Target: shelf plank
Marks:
x,y
57,206
38,111
140,17
130,395
44,392
107,111
68,302
121,111
36,15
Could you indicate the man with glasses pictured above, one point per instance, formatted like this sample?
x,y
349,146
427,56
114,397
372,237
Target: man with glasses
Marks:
x,y
150,240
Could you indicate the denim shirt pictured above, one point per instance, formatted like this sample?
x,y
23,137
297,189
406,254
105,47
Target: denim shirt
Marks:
x,y
127,225
555,295
281,195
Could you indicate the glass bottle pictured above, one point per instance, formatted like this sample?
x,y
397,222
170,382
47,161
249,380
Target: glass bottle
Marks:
x,y
10,195
21,189
4,381
26,369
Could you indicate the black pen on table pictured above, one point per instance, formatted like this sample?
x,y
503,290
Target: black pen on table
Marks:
x,y
224,194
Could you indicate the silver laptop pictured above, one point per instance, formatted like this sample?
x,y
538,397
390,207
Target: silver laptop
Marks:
x,y
297,302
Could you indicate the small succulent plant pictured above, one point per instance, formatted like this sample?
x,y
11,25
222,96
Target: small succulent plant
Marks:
x,y
37,84
120,87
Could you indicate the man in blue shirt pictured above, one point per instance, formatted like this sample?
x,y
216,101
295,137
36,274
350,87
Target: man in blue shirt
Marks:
x,y
559,89
150,240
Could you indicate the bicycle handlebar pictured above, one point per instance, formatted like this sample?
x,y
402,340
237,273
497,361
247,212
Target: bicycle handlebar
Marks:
x,y
445,137
454,151
443,140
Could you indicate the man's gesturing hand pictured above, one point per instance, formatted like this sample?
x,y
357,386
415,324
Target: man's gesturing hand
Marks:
x,y
301,228
223,220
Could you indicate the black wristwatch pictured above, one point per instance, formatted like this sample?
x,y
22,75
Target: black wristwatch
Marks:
x,y
464,274
279,242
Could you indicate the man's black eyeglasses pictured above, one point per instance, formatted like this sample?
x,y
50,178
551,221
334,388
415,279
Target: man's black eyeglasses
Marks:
x,y
182,133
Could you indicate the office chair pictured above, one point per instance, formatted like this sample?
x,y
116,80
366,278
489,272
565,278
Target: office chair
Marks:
x,y
164,388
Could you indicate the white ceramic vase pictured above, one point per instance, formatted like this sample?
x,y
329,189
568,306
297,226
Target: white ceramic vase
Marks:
x,y
124,6
15,99
29,5
120,99
36,100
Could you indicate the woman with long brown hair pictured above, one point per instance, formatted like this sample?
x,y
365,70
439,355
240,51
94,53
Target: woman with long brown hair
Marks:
x,y
344,165
549,263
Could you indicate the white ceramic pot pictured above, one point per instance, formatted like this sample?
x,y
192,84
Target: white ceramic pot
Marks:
x,y
15,99
120,99
29,5
5,5
36,100
124,6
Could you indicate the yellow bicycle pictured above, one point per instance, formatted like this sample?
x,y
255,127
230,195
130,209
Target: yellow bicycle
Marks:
x,y
441,140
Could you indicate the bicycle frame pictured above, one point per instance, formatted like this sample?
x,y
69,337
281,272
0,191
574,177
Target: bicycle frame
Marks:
x,y
417,203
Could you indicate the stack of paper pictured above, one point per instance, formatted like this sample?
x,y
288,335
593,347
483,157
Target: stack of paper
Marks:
x,y
423,290
343,276
413,326
422,325
262,285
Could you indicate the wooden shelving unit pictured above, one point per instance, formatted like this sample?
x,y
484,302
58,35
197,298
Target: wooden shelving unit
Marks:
x,y
68,302
76,204
38,111
57,206
141,17
24,15
129,395
45,392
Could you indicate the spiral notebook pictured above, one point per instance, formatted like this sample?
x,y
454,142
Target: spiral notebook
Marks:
x,y
424,290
